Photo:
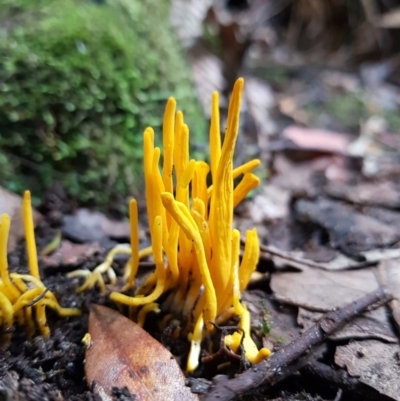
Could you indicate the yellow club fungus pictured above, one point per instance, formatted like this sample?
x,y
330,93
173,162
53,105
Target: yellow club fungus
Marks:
x,y
195,248
24,297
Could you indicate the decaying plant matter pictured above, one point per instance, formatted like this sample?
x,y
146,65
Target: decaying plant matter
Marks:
x,y
191,224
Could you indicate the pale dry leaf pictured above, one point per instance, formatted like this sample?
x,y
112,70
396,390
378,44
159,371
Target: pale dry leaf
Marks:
x,y
301,260
390,20
122,354
315,289
373,363
324,289
318,139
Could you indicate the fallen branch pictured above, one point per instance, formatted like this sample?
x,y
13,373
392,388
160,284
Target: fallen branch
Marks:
x,y
280,364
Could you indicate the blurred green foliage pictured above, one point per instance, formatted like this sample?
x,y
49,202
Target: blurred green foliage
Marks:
x,y
348,110
79,81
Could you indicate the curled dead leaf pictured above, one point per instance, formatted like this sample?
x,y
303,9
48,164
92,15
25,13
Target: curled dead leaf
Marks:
x,y
122,354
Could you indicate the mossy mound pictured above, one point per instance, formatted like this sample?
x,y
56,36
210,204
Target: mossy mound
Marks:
x,y
79,81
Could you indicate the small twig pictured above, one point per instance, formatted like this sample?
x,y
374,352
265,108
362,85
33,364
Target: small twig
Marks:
x,y
37,299
223,354
280,364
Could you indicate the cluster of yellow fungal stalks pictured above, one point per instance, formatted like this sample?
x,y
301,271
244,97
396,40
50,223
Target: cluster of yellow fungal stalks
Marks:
x,y
194,246
24,297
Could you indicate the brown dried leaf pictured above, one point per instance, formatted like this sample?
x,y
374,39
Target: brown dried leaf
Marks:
x,y
70,254
122,354
373,363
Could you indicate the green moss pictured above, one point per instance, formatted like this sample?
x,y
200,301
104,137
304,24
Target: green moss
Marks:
x,y
265,327
79,81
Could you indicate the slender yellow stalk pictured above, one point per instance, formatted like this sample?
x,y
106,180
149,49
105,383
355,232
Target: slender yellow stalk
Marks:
x,y
7,315
40,309
202,225
168,144
221,209
160,271
148,150
248,182
30,235
168,148
158,188
215,136
232,296
183,174
7,287
199,186
178,139
195,346
250,258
